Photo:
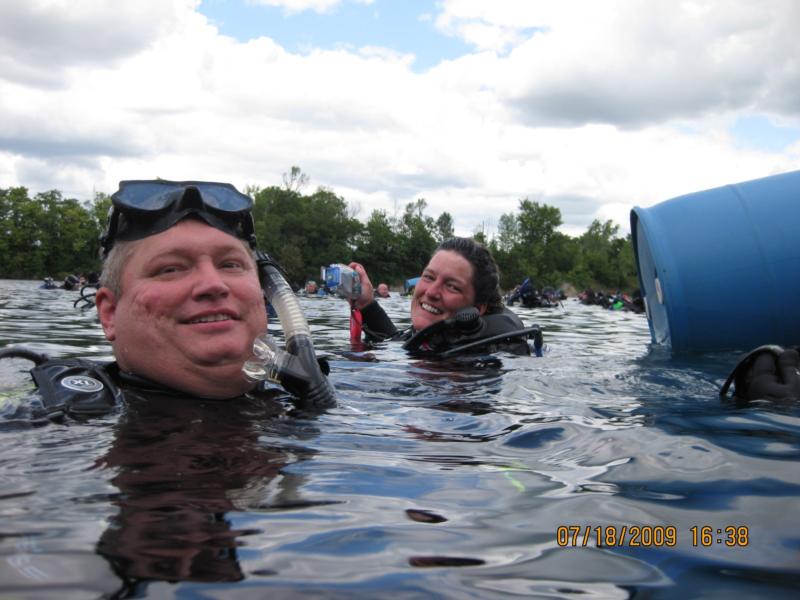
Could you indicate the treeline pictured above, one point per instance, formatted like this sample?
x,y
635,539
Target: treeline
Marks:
x,y
49,235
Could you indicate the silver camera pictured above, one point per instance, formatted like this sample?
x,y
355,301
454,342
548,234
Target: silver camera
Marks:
x,y
342,281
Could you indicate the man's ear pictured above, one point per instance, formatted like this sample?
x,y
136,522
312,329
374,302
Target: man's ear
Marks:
x,y
481,309
106,304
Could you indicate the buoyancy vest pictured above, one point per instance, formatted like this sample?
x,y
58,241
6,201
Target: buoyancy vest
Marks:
x,y
80,388
470,332
77,387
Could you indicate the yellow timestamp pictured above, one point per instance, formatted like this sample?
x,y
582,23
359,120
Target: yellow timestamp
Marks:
x,y
649,536
733,536
617,535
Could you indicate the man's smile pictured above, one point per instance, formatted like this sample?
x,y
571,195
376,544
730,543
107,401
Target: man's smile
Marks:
x,y
211,318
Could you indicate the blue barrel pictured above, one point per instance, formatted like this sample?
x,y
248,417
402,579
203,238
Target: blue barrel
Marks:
x,y
720,269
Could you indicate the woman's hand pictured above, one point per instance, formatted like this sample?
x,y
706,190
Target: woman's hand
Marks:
x,y
367,293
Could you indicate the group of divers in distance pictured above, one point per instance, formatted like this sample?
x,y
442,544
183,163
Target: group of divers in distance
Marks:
x,y
456,307
525,293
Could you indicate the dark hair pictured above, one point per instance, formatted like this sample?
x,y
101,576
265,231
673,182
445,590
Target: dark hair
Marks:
x,y
485,274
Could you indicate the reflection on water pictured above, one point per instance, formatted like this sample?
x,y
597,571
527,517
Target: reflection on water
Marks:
x,y
429,479
180,466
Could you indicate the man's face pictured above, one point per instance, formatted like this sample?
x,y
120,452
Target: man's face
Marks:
x,y
444,287
383,290
190,308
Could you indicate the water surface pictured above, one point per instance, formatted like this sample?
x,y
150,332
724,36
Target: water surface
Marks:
x,y
428,479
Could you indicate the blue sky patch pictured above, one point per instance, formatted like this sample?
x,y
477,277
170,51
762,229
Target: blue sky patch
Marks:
x,y
759,132
404,26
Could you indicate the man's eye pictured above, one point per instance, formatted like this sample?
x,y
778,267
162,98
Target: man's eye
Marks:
x,y
232,265
168,269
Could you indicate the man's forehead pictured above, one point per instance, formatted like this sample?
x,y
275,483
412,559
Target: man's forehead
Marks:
x,y
190,234
186,242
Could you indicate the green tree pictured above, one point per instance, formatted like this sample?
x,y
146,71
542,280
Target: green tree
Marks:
x,y
377,248
68,234
417,239
53,235
304,232
443,227
534,229
23,253
48,235
295,180
507,232
99,211
607,258
625,264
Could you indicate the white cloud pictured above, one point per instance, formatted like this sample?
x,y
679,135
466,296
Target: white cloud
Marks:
x,y
595,110
632,63
40,39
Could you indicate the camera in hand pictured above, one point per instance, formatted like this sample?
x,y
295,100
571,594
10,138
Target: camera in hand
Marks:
x,y
342,281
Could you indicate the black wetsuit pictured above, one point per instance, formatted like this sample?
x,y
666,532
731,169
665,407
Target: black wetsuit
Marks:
x,y
379,327
501,331
80,388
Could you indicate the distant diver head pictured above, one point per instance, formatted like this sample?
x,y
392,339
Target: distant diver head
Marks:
x,y
141,208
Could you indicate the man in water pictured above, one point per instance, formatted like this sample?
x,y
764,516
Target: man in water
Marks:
x,y
181,303
180,299
382,291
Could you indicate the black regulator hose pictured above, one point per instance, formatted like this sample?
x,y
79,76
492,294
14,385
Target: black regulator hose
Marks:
x,y
302,374
23,352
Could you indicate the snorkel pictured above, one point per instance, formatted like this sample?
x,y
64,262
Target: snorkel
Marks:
x,y
143,208
296,368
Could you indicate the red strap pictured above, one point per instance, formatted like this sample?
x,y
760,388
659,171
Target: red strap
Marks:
x,y
355,324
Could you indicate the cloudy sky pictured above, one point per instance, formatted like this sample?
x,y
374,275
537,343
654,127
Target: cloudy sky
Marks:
x,y
592,106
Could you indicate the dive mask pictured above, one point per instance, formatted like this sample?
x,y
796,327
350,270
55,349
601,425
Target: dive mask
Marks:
x,y
141,208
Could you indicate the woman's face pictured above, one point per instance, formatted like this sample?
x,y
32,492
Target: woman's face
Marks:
x,y
444,288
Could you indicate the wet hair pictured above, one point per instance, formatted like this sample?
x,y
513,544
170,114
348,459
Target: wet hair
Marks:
x,y
485,273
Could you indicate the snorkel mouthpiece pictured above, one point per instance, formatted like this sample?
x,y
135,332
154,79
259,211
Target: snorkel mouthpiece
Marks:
x,y
276,365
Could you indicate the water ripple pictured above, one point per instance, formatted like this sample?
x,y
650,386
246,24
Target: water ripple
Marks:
x,y
428,479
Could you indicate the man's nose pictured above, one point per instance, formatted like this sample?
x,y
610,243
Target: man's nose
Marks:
x,y
209,281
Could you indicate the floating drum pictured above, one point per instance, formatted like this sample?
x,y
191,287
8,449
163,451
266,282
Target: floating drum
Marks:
x,y
720,269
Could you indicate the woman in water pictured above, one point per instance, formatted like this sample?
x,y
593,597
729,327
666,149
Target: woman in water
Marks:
x,y
461,274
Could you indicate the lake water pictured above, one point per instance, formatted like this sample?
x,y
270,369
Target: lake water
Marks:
x,y
427,480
